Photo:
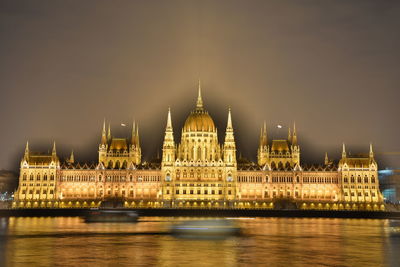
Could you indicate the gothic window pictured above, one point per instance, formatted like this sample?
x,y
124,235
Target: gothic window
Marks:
x,y
352,179
38,177
24,177
359,179
346,180
373,179
168,177
366,179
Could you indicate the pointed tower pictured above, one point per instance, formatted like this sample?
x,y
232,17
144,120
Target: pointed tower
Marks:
x,y
109,137
103,134
326,161
168,155
199,103
229,144
294,137
262,154
103,146
343,151
26,154
135,151
71,157
295,147
289,136
371,152
133,134
54,152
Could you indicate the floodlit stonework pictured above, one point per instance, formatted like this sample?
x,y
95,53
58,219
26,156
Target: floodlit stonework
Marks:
x,y
198,172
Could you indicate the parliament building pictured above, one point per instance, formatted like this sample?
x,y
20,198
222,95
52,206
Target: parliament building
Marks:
x,y
198,172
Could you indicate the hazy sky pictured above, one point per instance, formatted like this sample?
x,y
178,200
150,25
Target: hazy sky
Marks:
x,y
330,66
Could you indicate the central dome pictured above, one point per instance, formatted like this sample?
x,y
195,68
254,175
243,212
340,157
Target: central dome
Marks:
x,y
199,120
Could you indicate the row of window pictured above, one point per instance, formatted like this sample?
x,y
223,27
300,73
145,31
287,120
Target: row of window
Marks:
x,y
359,194
38,177
37,192
359,180
198,192
287,179
205,185
43,185
70,178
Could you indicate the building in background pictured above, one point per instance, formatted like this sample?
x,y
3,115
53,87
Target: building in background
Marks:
x,y
389,181
199,172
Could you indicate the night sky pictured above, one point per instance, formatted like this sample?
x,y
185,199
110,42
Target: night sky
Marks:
x,y
330,66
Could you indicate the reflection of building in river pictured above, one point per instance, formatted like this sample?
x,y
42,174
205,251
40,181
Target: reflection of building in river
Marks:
x,y
389,181
198,171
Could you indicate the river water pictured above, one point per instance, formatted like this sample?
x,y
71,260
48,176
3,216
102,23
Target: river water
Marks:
x,y
69,241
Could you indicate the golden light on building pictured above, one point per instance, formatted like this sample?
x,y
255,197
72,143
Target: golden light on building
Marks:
x,y
199,172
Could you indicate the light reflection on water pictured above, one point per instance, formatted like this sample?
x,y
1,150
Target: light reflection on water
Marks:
x,y
265,241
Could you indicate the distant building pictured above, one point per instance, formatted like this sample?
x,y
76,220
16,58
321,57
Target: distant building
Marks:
x,y
390,185
198,171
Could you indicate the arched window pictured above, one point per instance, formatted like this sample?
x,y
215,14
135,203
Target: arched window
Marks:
x,y
346,180
198,153
366,179
352,179
359,179
373,179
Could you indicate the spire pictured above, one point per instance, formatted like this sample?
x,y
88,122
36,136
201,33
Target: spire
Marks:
x,y
109,133
264,138
133,133
169,132
344,151
289,136
169,121
54,152
27,147
294,136
371,152
199,105
229,124
103,134
72,158
326,159
137,135
26,155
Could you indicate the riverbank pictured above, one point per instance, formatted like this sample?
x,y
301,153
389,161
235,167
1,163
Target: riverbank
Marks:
x,y
212,213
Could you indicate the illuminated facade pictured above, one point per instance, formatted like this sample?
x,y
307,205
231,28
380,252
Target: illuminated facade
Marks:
x,y
198,171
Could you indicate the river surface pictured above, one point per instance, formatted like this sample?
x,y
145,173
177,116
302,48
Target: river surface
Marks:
x,y
69,241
